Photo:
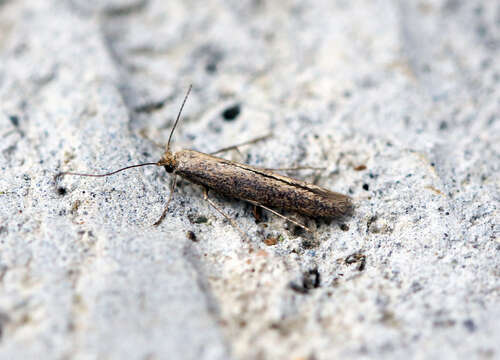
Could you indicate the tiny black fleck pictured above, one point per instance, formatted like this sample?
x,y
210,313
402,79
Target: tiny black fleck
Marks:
x,y
366,187
211,67
309,244
231,112
344,227
311,279
14,119
61,191
191,236
470,325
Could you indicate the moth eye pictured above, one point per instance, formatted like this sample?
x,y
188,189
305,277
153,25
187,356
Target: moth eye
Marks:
x,y
169,168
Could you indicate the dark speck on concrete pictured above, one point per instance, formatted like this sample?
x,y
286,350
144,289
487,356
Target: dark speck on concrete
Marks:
x,y
14,119
470,325
232,112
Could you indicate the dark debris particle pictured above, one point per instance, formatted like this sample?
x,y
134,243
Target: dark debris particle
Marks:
x,y
366,187
211,67
200,220
150,106
61,191
360,167
356,258
470,325
311,279
191,236
75,206
271,240
309,244
362,264
344,227
14,119
232,112
370,221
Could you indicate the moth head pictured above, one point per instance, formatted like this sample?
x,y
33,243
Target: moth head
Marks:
x,y
168,161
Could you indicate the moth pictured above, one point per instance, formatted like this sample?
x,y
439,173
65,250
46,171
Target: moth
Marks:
x,y
258,186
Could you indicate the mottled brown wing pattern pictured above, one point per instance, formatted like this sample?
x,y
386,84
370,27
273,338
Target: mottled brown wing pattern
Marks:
x,y
259,185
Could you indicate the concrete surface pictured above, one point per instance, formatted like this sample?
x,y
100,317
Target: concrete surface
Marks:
x,y
398,100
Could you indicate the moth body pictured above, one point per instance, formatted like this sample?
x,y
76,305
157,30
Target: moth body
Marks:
x,y
256,185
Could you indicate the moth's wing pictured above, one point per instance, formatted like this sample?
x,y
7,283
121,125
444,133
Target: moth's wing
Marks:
x,y
342,202
294,182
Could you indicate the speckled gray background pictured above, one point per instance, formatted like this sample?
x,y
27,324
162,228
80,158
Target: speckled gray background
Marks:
x,y
398,100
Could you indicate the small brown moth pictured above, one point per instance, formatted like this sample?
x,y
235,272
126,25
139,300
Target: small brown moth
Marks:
x,y
258,186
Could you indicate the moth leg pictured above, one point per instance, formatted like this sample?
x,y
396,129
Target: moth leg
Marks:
x,y
281,216
172,188
256,213
235,225
235,147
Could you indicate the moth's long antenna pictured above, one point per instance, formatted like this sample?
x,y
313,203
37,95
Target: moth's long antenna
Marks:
x,y
61,174
178,117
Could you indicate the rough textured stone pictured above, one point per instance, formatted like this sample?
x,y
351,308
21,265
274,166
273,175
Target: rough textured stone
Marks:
x,y
399,101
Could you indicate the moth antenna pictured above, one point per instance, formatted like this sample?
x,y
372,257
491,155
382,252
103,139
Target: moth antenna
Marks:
x,y
61,174
178,117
